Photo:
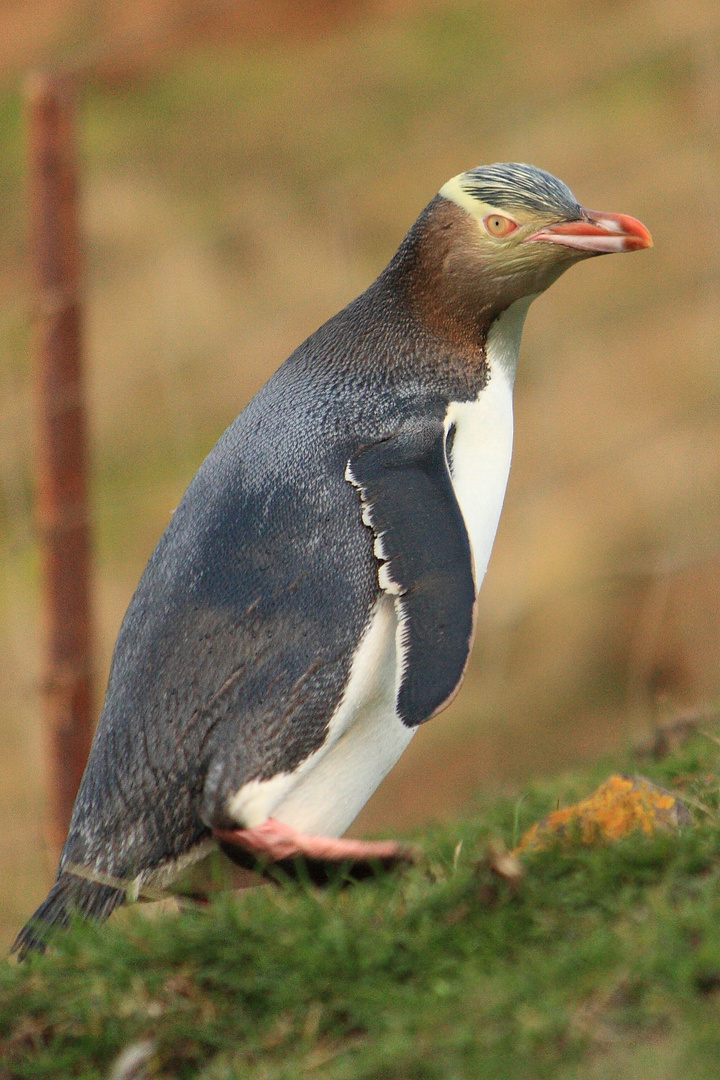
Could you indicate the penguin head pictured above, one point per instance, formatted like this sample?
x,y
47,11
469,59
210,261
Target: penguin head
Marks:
x,y
518,228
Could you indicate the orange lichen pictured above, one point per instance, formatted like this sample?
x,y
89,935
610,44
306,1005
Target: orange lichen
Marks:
x,y
618,807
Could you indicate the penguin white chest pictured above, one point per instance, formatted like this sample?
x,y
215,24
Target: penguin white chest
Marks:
x,y
480,463
481,448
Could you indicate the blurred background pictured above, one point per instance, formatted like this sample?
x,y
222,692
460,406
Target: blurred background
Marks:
x,y
246,170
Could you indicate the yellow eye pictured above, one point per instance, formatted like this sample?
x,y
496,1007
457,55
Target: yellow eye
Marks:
x,y
497,225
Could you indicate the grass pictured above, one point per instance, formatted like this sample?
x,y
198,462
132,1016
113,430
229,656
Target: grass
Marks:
x,y
600,962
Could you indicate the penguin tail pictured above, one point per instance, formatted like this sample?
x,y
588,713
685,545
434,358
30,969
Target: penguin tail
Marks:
x,y
70,894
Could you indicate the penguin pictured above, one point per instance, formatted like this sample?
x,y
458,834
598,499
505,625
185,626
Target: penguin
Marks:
x,y
313,599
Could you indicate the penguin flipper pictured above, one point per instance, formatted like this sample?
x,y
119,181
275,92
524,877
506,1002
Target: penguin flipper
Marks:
x,y
425,560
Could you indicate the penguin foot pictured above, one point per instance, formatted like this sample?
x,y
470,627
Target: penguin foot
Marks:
x,y
280,845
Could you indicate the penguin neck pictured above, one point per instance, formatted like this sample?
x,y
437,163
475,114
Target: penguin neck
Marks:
x,y
434,277
502,346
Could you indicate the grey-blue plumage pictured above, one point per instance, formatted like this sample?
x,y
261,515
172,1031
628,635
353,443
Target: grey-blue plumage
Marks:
x,y
334,488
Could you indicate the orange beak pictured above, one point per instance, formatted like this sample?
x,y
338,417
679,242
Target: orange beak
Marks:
x,y
597,234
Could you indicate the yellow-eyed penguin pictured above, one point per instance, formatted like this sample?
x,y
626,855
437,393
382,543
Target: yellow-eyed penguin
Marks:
x,y
313,599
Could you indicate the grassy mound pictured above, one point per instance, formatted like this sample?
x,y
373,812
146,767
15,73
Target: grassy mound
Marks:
x,y
601,961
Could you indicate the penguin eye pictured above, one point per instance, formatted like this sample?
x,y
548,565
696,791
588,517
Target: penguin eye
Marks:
x,y
497,225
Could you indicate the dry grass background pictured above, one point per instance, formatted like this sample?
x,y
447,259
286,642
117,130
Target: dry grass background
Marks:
x,y
239,188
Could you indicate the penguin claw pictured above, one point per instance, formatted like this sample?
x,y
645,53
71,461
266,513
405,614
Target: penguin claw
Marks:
x,y
278,844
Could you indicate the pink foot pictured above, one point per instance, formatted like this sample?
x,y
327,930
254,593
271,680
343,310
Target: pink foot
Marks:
x,y
276,842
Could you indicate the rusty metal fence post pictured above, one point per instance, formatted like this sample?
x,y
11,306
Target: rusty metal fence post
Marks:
x,y
62,504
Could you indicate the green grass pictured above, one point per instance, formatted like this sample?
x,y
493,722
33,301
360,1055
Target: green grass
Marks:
x,y
600,962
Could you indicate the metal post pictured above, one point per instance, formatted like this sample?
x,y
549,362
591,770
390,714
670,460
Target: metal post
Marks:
x,y
62,507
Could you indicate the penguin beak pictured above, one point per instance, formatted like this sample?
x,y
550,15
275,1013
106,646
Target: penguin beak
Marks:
x,y
597,234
